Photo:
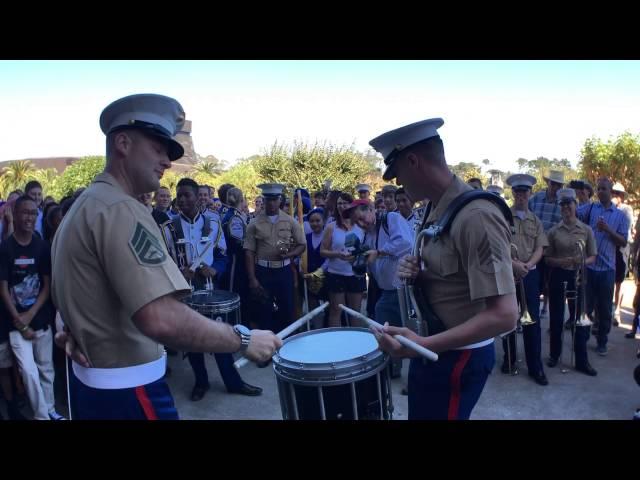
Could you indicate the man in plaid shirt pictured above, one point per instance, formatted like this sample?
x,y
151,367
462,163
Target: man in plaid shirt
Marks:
x,y
545,203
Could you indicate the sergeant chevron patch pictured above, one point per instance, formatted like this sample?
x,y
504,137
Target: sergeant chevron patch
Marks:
x,y
146,247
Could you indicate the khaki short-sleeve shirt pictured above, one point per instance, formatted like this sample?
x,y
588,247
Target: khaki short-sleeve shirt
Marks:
x,y
108,261
469,263
529,235
262,235
563,238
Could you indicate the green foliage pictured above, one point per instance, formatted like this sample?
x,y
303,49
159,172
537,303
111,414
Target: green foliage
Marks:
x,y
467,170
310,165
15,176
244,176
540,167
618,159
209,165
77,175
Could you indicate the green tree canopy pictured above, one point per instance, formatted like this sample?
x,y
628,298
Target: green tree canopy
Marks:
x,y
467,170
78,175
540,166
618,159
15,176
309,165
244,176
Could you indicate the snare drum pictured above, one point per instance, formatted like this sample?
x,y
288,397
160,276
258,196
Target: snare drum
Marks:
x,y
218,305
333,374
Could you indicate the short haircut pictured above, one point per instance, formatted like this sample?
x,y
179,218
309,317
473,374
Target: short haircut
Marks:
x,y
31,185
205,186
606,180
222,191
379,201
21,200
576,184
402,191
189,182
319,195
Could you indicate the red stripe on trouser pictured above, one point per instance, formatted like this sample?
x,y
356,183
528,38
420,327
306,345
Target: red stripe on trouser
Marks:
x,y
146,404
454,399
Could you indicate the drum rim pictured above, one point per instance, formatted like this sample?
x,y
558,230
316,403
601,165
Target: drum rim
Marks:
x,y
329,373
224,306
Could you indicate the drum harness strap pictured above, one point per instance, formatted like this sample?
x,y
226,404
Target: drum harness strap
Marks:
x,y
435,230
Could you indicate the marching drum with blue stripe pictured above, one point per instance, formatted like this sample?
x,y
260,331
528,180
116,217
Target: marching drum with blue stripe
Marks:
x,y
333,374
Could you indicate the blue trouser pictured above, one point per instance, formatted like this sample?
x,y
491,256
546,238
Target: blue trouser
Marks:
x,y
229,374
388,310
449,388
600,286
556,317
530,333
148,402
278,282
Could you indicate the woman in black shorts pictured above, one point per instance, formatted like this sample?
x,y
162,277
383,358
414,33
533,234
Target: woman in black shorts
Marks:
x,y
337,244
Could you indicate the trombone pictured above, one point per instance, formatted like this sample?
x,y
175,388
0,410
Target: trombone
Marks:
x,y
525,317
575,294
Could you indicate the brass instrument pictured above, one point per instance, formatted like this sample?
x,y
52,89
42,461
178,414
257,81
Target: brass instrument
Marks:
x,y
409,310
525,317
573,295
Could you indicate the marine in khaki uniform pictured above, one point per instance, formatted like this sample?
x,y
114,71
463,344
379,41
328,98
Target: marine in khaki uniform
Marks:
x,y
273,239
528,243
467,279
115,284
563,258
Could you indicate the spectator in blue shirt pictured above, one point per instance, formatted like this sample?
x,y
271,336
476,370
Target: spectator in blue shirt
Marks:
x,y
611,228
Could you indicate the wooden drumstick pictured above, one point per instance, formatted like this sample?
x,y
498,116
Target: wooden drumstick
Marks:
x,y
289,330
419,349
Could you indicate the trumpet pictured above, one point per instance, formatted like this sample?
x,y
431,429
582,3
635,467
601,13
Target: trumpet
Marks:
x,y
525,317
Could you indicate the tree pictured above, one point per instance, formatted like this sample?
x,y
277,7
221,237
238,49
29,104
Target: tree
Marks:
x,y
540,167
310,165
467,170
618,159
16,175
244,176
48,178
78,175
209,165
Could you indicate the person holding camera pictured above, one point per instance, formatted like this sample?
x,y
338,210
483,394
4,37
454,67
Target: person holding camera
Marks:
x,y
341,239
389,239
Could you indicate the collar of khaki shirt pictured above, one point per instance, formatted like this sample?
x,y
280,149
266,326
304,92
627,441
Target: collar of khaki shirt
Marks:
x,y
578,225
530,215
455,188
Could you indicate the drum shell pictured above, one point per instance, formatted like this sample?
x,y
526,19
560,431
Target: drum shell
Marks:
x,y
217,305
357,388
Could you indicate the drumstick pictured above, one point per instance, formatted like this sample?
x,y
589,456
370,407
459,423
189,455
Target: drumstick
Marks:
x,y
289,330
424,352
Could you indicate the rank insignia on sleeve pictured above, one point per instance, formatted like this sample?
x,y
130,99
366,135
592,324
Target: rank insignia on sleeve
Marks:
x,y
146,247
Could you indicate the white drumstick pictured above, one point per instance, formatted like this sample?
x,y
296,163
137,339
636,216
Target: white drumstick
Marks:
x,y
289,330
424,352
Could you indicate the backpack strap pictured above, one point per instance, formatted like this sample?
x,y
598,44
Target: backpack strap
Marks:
x,y
436,230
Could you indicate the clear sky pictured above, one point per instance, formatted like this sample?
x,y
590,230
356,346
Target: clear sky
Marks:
x,y
500,110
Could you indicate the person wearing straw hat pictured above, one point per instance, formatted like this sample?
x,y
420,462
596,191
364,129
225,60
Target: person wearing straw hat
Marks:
x,y
116,286
472,296
544,205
